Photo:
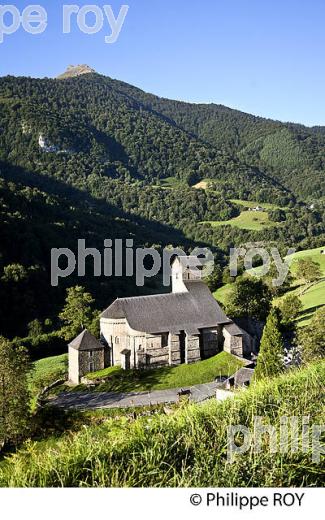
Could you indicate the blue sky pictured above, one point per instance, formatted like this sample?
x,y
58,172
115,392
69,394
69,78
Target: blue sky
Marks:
x,y
265,57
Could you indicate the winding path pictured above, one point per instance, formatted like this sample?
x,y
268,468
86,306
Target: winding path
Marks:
x,y
93,400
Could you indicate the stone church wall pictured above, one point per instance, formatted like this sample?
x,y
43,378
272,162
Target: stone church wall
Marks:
x,y
74,366
233,344
174,350
192,349
156,355
210,342
90,361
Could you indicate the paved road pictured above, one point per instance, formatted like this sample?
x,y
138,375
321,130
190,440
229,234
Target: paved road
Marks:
x,y
93,400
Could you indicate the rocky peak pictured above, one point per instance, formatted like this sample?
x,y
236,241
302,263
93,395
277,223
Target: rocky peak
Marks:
x,y
76,70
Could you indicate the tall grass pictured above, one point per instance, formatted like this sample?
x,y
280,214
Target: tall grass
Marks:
x,y
188,448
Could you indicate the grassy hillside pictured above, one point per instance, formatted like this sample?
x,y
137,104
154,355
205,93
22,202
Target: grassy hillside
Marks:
x,y
253,204
313,254
252,220
46,371
49,369
311,300
118,380
312,297
188,448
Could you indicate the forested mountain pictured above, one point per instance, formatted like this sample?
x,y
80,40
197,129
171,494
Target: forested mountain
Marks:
x,y
96,128
289,153
86,157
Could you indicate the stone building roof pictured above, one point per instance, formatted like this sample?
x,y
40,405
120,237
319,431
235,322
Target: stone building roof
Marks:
x,y
234,330
85,341
172,312
242,377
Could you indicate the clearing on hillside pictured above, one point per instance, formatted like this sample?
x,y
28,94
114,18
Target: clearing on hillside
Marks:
x,y
254,204
251,220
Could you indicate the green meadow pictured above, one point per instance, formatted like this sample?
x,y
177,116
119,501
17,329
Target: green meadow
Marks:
x,y
118,380
250,204
251,220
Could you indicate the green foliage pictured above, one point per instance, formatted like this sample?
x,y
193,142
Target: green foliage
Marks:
x,y
249,297
185,449
270,360
35,328
14,394
272,275
78,313
290,308
277,215
308,270
311,339
47,344
14,273
215,279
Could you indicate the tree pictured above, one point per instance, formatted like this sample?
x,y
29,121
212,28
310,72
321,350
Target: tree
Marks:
x,y
78,312
290,308
35,328
14,273
14,393
270,360
308,270
249,297
273,274
277,215
311,339
214,280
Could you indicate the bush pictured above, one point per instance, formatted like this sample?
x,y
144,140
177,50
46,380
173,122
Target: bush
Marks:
x,y
42,346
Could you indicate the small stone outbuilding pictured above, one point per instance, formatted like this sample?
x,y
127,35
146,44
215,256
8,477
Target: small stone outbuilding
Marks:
x,y
86,354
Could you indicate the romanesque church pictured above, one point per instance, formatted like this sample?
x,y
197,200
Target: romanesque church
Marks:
x,y
183,326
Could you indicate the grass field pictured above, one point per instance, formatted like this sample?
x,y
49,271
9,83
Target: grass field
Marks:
x,y
251,220
119,380
311,300
171,182
50,368
45,371
222,294
185,449
250,204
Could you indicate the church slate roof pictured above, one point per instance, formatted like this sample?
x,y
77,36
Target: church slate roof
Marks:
x,y
85,341
172,312
234,330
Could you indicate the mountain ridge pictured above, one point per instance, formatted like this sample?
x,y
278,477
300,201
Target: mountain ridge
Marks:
x,y
290,155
